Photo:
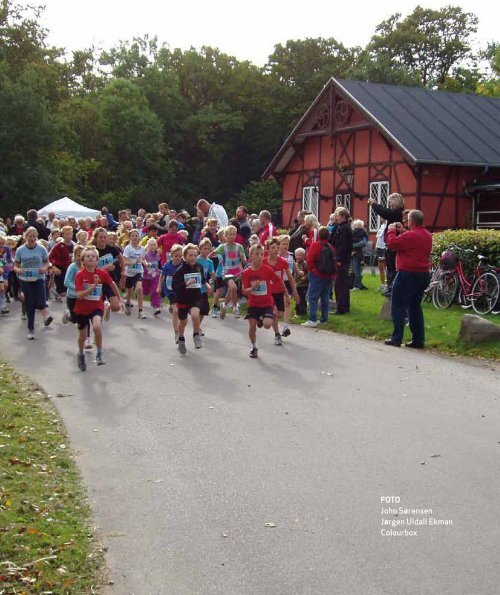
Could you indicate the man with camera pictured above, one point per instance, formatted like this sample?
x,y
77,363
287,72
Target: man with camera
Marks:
x,y
413,250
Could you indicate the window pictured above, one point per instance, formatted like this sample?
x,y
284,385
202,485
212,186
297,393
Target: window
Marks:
x,y
379,191
310,200
343,200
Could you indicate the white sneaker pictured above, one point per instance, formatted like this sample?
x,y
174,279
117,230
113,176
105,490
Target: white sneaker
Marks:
x,y
236,312
309,324
222,311
197,341
65,317
88,344
141,315
31,336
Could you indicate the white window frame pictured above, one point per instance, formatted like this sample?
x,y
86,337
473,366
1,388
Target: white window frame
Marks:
x,y
379,191
343,200
310,199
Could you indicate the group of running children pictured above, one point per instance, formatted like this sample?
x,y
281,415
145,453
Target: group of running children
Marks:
x,y
185,275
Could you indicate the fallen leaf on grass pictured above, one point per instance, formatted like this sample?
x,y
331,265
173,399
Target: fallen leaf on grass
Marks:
x,y
16,461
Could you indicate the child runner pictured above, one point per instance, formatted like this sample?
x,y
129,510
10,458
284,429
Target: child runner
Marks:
x,y
134,270
69,282
280,267
89,306
205,248
151,274
233,260
186,283
220,289
284,244
167,240
60,258
31,265
110,260
258,281
165,285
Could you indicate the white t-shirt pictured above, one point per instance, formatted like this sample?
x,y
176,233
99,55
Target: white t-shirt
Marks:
x,y
131,270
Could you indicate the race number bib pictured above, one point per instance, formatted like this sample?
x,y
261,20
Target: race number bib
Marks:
x,y
31,275
261,289
105,260
168,283
95,294
196,277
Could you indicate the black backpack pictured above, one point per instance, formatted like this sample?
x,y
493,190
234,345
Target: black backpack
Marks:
x,y
326,263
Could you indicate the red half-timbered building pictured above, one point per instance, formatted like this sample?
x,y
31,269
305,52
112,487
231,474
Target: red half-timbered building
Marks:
x,y
440,150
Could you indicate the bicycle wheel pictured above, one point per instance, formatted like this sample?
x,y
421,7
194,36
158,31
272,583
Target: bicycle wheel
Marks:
x,y
463,300
445,290
485,293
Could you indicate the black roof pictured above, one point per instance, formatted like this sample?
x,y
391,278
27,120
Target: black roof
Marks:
x,y
427,126
432,126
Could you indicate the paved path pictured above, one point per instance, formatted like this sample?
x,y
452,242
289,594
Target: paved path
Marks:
x,y
187,459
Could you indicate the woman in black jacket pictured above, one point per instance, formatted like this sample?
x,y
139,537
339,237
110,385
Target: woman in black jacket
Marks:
x,y
341,239
392,214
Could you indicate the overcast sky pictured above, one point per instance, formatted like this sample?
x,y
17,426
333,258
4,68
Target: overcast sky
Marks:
x,y
247,30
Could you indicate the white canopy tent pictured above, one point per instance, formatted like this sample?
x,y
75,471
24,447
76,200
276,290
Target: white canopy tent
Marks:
x,y
65,207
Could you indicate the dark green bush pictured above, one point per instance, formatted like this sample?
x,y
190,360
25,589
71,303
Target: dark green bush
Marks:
x,y
482,241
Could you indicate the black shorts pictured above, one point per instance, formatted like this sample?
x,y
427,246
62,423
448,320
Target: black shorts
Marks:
x,y
107,292
204,305
258,313
59,281
279,300
219,283
184,310
131,282
237,281
380,253
81,320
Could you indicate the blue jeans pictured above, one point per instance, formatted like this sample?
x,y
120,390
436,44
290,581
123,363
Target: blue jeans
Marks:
x,y
35,298
319,290
407,291
357,269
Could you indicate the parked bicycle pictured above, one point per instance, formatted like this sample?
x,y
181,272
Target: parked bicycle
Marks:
x,y
481,290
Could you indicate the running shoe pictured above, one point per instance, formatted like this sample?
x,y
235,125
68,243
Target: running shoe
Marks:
x,y
126,308
65,317
215,312
277,339
88,344
236,312
141,315
99,359
31,336
197,341
5,310
286,333
222,313
254,352
107,312
176,336
309,324
23,316
48,321
82,364
181,345
157,312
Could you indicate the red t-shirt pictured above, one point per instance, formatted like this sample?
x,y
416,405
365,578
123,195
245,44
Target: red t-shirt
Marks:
x,y
268,231
279,269
166,241
262,296
93,301
60,255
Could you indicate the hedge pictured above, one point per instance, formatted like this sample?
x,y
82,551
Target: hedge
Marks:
x,y
482,241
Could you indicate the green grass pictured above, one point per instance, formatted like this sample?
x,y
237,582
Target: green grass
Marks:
x,y
46,543
441,326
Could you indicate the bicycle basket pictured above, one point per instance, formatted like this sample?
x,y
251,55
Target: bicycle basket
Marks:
x,y
448,261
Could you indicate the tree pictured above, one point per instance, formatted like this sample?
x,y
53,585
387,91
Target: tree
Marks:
x,y
428,43
491,86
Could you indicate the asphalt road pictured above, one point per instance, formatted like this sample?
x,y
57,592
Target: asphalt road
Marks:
x,y
215,473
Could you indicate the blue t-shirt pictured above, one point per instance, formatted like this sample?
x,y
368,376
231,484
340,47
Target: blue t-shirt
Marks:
x,y
69,280
168,271
208,269
30,260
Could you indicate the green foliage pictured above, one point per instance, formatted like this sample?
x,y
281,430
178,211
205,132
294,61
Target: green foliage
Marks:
x,y
481,241
258,196
430,44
